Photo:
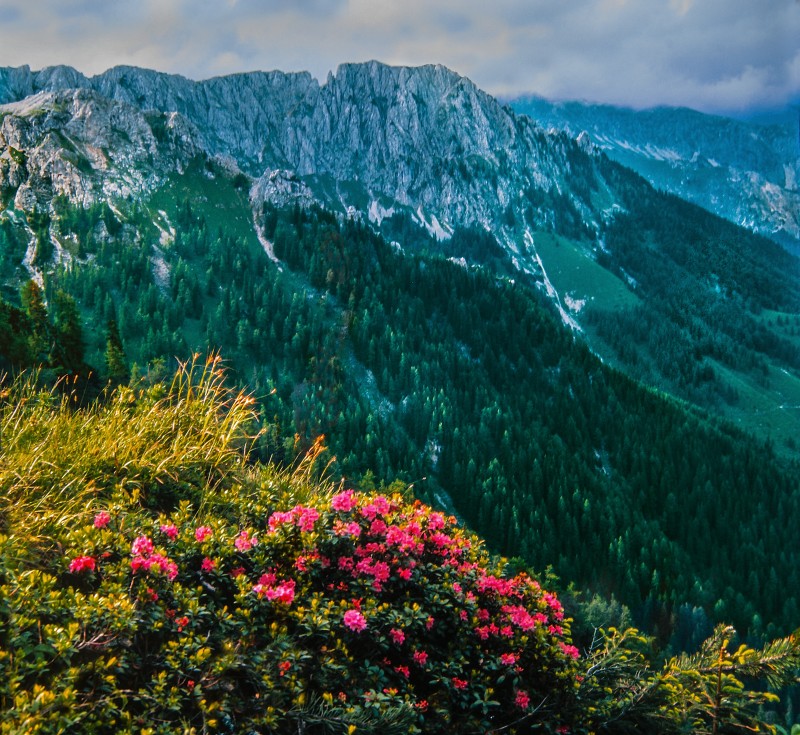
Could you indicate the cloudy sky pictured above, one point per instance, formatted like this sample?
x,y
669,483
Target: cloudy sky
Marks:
x,y
713,55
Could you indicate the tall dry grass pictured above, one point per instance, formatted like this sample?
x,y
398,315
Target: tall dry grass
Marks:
x,y
149,445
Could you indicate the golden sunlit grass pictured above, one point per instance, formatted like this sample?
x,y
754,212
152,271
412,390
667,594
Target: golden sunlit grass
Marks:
x,y
58,460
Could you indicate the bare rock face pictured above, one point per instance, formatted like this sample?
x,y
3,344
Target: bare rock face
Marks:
x,y
424,137
81,145
281,188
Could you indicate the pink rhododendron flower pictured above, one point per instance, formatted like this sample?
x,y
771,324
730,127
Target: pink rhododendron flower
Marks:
x,y
141,546
377,527
202,533
245,542
82,564
570,650
170,530
459,683
420,658
284,592
522,700
269,587
306,518
508,659
102,519
278,518
397,635
354,620
344,502
381,504
208,565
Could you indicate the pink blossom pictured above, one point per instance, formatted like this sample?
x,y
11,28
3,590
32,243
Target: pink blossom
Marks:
x,y
570,650
459,683
354,620
404,574
508,659
208,565
343,502
284,592
397,635
307,517
82,564
404,670
160,563
142,546
377,527
202,533
267,579
420,658
279,517
522,700
244,541
170,530
429,622
482,632
346,563
102,519
346,529
369,511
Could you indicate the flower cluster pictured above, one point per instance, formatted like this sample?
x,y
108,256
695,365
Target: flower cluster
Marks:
x,y
145,558
367,602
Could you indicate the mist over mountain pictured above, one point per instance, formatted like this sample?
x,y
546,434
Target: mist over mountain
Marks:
x,y
745,171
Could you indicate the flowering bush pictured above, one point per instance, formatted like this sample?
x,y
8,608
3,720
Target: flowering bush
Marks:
x,y
345,614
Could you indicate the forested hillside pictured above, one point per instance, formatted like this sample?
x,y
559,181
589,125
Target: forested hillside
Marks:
x,y
444,373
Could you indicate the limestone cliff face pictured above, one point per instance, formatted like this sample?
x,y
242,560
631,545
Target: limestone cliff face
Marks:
x,y
423,137
79,144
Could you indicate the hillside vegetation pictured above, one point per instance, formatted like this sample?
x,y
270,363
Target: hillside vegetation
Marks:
x,y
451,378
153,580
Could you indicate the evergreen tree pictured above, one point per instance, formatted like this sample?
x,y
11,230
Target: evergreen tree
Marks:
x,y
35,309
116,361
68,332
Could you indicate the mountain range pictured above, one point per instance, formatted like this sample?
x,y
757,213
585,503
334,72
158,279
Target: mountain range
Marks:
x,y
744,171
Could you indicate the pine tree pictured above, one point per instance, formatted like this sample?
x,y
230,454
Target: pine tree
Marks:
x,y
116,361
68,332
39,341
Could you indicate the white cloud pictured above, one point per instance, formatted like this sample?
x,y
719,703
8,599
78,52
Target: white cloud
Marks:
x,y
712,55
